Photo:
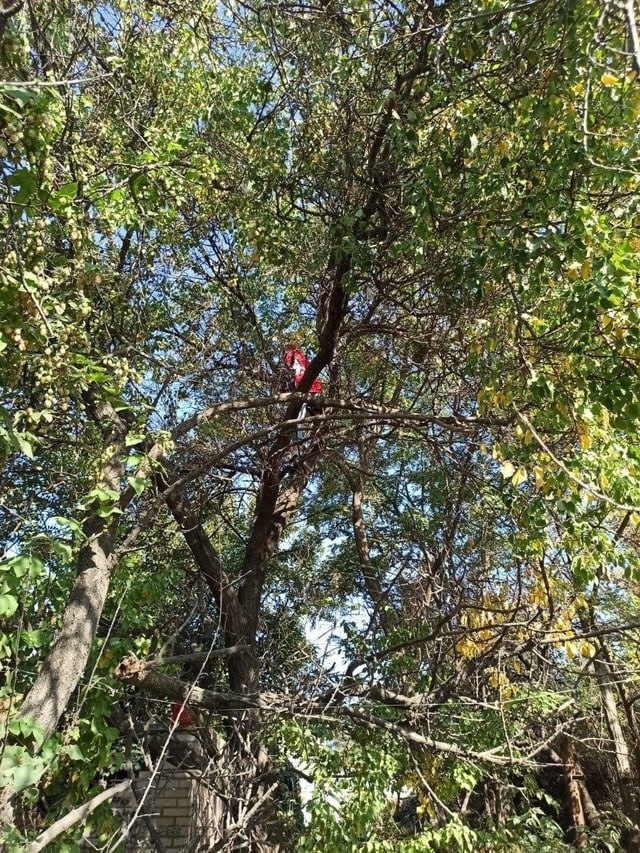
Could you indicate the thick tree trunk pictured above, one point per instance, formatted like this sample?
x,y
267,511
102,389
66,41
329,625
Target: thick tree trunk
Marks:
x,y
63,668
627,784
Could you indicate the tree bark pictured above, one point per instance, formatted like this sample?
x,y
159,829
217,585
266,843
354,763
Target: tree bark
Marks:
x,y
626,781
574,800
63,668
591,814
75,816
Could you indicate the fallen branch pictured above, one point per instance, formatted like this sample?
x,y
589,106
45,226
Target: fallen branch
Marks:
x,y
138,673
143,675
76,816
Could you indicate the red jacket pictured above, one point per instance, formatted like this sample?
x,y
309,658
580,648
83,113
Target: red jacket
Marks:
x,y
185,718
297,360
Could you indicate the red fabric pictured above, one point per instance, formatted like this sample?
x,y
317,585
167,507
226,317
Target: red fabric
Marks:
x,y
185,718
296,359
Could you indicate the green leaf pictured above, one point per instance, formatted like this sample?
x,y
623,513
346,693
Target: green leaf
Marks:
x,y
75,753
24,445
63,195
71,523
105,512
23,564
104,495
26,181
8,604
35,639
21,96
138,484
67,190
19,768
133,439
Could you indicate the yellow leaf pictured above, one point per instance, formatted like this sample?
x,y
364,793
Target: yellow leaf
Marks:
x,y
608,79
467,648
507,469
468,53
539,475
635,104
585,436
573,271
587,649
585,270
520,476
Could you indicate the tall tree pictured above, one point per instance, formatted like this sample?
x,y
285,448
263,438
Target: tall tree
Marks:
x,y
437,202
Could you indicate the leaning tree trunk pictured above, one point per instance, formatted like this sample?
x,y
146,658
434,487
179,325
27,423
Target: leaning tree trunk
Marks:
x,y
65,664
63,668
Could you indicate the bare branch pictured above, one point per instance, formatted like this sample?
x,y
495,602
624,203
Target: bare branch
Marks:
x,y
76,816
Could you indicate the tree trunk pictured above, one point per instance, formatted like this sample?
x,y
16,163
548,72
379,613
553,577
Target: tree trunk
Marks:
x,y
63,668
626,782
571,773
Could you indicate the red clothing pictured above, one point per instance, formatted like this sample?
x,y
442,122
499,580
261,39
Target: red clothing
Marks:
x,y
184,717
297,360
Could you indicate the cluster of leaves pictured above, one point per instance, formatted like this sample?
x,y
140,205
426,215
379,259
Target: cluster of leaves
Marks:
x,y
183,189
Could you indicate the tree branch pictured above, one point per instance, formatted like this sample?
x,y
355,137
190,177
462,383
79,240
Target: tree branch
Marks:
x,y
76,816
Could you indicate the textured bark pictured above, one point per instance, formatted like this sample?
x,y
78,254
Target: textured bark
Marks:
x,y
65,664
591,814
63,668
574,800
627,784
143,675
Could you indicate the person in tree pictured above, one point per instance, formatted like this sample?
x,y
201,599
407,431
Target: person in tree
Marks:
x,y
185,747
297,362
182,715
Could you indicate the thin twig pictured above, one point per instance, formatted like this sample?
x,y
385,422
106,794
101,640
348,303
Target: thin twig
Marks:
x,y
588,487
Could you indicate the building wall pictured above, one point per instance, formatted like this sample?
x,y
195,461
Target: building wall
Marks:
x,y
178,809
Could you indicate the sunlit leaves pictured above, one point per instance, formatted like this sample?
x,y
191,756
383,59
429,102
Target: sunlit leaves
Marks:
x,y
174,215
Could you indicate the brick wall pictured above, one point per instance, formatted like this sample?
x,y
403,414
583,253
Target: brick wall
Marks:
x,y
178,809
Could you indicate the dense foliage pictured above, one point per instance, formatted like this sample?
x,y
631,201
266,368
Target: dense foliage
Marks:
x,y
421,597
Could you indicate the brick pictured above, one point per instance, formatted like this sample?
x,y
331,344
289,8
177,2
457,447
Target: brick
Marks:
x,y
171,831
